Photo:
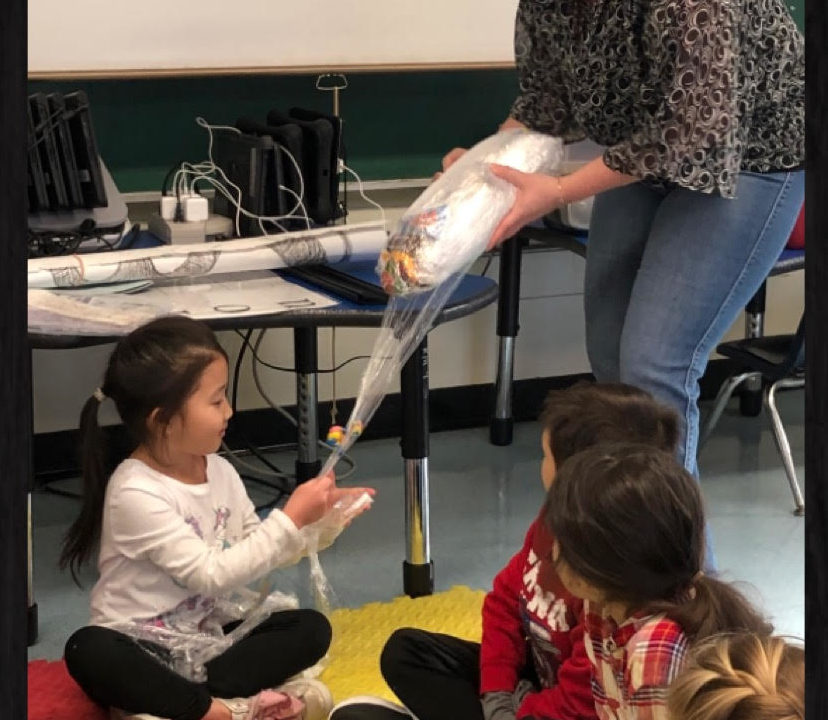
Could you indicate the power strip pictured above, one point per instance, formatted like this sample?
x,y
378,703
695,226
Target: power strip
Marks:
x,y
215,227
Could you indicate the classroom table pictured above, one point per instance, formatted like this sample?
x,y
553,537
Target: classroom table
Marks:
x,y
473,293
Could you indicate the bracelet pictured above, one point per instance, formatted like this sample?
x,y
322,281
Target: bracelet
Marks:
x,y
561,197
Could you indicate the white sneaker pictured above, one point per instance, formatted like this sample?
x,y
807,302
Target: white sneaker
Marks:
x,y
369,707
314,693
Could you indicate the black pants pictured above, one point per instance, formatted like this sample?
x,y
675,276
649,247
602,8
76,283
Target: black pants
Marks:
x,y
116,671
437,677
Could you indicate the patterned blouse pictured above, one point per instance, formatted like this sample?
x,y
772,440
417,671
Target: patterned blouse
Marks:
x,y
682,92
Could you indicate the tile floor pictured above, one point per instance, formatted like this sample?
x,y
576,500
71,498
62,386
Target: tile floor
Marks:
x,y
482,499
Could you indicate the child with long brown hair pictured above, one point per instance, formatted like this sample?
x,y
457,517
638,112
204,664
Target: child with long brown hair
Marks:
x,y
628,525
175,531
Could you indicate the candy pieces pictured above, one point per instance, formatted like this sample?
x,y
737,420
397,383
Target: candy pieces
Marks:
x,y
335,435
407,263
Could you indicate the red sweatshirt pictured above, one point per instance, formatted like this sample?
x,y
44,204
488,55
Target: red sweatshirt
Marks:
x,y
523,623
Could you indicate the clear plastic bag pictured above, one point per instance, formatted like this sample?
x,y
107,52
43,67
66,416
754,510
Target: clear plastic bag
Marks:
x,y
438,239
451,223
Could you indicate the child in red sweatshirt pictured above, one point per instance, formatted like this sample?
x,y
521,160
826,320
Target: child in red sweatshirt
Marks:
x,y
531,662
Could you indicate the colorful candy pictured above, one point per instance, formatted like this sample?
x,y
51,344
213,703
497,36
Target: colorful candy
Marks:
x,y
335,435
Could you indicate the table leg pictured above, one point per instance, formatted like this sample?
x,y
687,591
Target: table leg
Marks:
x,y
508,303
418,569
307,400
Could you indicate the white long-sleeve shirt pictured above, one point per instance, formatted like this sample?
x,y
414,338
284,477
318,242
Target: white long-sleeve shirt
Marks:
x,y
169,549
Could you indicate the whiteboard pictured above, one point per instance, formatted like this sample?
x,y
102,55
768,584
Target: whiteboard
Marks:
x,y
122,38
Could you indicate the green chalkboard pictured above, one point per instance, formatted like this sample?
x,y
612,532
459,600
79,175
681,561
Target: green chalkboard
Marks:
x,y
396,125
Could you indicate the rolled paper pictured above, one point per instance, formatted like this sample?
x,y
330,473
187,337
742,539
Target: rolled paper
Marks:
x,y
308,247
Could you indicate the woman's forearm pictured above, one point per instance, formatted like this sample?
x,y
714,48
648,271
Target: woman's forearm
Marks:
x,y
593,178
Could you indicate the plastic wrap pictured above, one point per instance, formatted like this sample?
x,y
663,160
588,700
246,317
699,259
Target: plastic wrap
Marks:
x,y
451,223
50,313
185,650
438,239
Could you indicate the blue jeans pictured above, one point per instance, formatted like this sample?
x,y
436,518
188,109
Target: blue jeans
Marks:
x,y
667,273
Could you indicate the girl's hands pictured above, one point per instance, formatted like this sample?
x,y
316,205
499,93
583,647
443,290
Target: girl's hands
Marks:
x,y
537,195
314,498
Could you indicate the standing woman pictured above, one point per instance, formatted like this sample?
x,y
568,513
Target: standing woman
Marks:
x,y
700,105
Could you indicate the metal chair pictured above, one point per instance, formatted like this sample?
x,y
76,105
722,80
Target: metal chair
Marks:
x,y
776,361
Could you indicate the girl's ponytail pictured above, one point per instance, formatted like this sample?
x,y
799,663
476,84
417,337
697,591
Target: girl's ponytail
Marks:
x,y
711,607
83,536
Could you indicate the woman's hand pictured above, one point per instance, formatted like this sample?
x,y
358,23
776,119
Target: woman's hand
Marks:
x,y
537,195
314,498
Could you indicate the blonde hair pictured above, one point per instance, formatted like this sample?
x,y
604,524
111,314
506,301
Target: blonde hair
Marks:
x,y
741,677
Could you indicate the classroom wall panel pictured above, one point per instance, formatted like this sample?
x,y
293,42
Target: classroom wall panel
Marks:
x,y
397,125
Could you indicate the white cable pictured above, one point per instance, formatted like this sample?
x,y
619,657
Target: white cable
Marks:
x,y
204,169
239,209
300,197
213,168
299,204
364,196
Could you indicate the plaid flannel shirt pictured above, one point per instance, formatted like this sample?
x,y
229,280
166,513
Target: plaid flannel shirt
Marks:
x,y
633,663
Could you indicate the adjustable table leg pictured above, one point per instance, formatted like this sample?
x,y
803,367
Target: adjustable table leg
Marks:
x,y
418,569
508,303
305,352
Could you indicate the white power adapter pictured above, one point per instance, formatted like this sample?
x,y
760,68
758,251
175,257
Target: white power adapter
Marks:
x,y
196,209
168,205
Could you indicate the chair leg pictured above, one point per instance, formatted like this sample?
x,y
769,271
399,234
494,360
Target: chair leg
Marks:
x,y
781,438
725,392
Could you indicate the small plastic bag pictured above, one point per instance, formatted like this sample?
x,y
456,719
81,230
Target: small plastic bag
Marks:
x,y
56,313
451,223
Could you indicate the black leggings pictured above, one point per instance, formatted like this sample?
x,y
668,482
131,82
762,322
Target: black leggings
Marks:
x,y
116,671
437,677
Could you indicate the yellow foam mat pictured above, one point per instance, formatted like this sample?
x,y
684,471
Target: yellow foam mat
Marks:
x,y
359,635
